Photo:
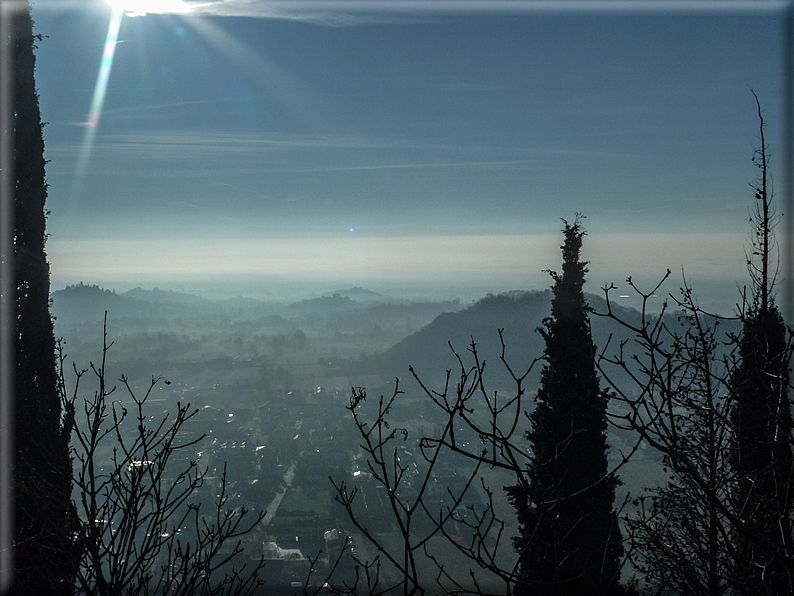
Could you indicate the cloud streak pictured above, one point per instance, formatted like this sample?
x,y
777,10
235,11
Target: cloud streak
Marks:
x,y
352,12
158,144
342,13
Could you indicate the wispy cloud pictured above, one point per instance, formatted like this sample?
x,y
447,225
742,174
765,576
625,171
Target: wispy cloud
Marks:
x,y
154,144
352,12
340,13
140,111
185,142
332,14
456,164
154,107
212,153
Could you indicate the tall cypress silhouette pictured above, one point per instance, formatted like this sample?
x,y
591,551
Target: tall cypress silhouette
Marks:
x,y
762,458
42,464
569,539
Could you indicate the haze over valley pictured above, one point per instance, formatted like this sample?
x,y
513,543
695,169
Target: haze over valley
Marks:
x,y
272,381
317,245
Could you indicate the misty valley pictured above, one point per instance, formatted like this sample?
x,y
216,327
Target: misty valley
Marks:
x,y
357,375
272,384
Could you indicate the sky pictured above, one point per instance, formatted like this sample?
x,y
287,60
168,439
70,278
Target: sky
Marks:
x,y
432,146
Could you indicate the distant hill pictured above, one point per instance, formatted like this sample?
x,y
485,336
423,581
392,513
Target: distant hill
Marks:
x,y
372,323
82,302
325,306
362,295
518,313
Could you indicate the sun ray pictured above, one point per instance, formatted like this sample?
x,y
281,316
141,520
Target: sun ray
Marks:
x,y
98,100
119,8
104,69
296,96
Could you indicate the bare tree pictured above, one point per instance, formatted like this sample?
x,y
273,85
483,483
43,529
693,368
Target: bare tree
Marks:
x,y
761,416
141,529
715,406
762,254
472,526
489,431
677,400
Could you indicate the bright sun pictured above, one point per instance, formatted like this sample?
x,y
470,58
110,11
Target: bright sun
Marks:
x,y
142,7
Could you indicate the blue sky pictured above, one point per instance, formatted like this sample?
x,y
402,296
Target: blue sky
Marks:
x,y
417,143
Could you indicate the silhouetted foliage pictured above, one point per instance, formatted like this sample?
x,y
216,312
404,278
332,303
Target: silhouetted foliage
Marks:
x,y
677,402
486,430
762,456
43,512
570,540
141,528
427,508
716,407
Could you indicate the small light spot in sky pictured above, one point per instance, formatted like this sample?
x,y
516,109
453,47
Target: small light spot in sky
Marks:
x,y
352,230
180,31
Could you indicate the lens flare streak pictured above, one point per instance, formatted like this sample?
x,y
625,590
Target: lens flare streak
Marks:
x,y
104,69
98,100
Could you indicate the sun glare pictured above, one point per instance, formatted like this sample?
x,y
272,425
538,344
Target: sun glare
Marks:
x,y
121,8
135,8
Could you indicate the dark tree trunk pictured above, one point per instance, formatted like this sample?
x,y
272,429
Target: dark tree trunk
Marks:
x,y
42,465
763,458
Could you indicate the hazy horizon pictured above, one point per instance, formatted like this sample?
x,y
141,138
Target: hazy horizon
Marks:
x,y
431,147
717,297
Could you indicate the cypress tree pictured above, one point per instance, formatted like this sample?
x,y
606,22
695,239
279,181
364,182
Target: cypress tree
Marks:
x,y
43,471
762,455
763,458
569,540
